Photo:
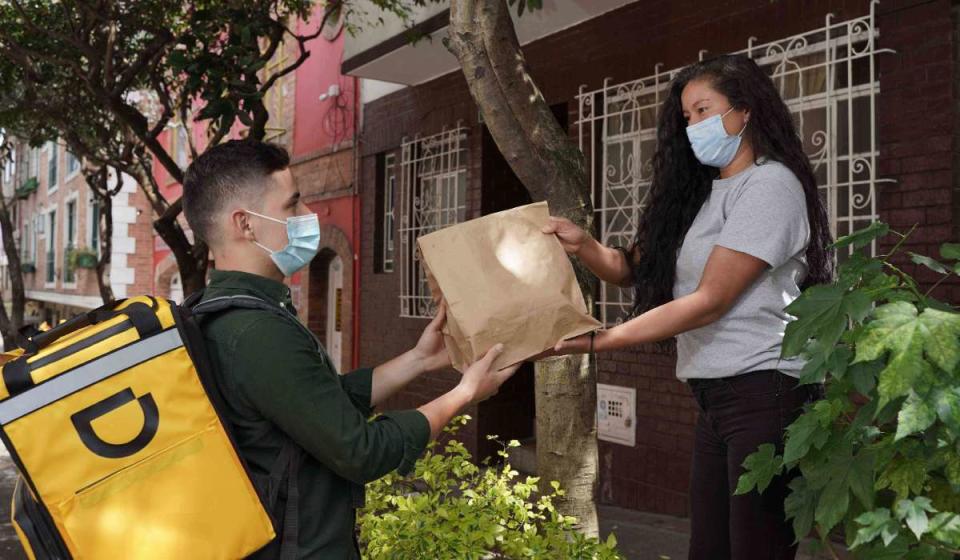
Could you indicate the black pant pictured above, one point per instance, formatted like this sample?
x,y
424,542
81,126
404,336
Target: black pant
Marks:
x,y
737,415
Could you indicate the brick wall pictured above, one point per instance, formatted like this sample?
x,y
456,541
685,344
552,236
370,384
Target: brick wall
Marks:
x,y
916,148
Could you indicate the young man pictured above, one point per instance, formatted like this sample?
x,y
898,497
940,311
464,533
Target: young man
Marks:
x,y
241,199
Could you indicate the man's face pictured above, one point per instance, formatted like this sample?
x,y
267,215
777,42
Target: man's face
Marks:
x,y
281,200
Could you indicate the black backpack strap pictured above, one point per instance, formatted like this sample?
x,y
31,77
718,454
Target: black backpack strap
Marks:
x,y
242,301
287,465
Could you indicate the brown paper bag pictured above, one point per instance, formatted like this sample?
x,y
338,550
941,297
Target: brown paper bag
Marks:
x,y
506,282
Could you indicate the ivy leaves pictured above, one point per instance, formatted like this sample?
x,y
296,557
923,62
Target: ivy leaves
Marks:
x,y
880,455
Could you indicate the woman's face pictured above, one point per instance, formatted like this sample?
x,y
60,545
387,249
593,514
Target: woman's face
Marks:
x,y
700,101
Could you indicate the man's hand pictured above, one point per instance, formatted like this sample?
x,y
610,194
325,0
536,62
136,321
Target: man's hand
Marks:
x,y
480,382
430,349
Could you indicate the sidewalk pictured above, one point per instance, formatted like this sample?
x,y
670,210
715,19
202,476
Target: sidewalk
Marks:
x,y
647,536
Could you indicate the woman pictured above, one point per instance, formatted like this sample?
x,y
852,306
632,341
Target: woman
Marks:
x,y
733,230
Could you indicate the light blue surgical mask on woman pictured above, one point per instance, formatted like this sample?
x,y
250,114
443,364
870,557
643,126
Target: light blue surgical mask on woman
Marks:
x,y
711,143
303,240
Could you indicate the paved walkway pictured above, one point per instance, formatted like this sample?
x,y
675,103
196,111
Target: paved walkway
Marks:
x,y
647,536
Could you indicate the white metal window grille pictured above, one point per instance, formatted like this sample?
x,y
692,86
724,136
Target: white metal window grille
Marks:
x,y
433,193
389,210
827,78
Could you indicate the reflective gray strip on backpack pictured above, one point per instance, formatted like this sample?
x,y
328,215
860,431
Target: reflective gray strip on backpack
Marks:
x,y
88,374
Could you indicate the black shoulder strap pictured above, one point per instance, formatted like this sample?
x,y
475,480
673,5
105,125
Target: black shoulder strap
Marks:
x,y
287,465
243,301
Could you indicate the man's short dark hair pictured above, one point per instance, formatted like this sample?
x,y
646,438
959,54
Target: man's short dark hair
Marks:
x,y
224,173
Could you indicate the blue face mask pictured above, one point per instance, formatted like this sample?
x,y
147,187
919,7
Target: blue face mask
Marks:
x,y
303,239
711,143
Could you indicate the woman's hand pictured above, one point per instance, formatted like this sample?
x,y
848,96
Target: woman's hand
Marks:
x,y
430,349
576,345
571,236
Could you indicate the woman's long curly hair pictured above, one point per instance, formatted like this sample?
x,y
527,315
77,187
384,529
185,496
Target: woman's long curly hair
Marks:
x,y
681,183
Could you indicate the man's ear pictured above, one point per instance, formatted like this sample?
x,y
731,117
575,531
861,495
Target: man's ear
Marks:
x,y
240,225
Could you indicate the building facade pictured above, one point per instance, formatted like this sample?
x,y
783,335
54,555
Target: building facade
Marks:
x,y
56,231
862,79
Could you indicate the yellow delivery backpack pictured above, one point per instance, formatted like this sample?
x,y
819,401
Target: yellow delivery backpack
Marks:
x,y
112,419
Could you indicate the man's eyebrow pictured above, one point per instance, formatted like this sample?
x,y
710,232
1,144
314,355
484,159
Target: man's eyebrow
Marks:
x,y
294,198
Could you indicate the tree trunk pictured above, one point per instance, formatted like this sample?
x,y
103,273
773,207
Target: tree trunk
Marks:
x,y
99,181
10,323
551,167
106,247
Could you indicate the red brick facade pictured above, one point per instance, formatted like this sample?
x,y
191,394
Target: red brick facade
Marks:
x,y
915,116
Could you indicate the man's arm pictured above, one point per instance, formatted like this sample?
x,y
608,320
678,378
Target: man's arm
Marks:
x,y
428,355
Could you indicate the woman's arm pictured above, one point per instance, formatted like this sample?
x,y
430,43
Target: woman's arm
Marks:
x,y
726,276
609,265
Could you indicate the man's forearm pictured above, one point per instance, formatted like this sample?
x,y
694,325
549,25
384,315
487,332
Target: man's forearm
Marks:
x,y
441,410
390,377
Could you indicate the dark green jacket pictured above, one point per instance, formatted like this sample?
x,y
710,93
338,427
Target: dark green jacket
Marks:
x,y
275,383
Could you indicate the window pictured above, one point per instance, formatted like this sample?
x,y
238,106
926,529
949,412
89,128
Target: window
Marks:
x,y
828,79
53,155
273,98
73,163
25,242
34,158
69,274
386,215
10,168
433,194
51,247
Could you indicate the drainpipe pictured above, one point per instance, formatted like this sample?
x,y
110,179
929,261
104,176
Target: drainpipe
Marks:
x,y
356,222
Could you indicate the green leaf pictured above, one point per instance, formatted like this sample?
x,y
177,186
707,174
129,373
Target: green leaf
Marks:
x,y
800,506
946,402
896,550
833,504
821,312
898,330
863,375
862,477
929,263
893,329
914,513
945,527
950,251
761,466
915,416
942,342
904,476
803,433
862,238
877,523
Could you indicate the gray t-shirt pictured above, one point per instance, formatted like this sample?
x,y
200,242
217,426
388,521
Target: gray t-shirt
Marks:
x,y
760,211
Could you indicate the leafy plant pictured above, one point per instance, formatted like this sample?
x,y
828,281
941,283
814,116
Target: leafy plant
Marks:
x,y
81,257
879,457
450,507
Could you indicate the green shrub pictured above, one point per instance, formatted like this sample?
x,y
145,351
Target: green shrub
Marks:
x,y
451,508
879,456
